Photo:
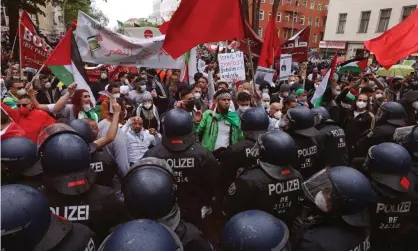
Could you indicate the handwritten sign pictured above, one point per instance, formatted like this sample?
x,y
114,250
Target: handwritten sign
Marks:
x,y
231,66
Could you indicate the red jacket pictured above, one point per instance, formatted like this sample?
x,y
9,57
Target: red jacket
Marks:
x,y
13,130
33,123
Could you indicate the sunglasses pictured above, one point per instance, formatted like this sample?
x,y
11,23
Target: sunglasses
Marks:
x,y
22,105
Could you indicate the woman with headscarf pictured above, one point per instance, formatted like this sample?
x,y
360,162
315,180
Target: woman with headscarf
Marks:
x,y
149,113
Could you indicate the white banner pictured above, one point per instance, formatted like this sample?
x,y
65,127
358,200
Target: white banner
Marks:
x,y
264,73
285,66
99,45
231,66
142,32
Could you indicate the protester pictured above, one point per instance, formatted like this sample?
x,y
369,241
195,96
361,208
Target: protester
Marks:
x,y
148,112
9,128
47,93
16,89
112,91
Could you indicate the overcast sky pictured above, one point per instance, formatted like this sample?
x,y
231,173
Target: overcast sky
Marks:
x,y
122,10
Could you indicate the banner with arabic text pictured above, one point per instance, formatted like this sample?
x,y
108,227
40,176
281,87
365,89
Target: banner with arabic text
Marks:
x,y
99,45
298,45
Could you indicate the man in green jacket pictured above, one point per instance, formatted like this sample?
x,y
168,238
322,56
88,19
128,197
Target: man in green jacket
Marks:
x,y
220,127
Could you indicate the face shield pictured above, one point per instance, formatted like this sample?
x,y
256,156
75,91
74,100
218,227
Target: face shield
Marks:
x,y
320,190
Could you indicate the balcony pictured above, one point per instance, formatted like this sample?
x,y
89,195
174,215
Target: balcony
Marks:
x,y
289,25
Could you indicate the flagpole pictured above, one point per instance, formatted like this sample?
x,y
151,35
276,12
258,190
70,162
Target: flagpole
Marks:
x,y
20,47
37,73
13,47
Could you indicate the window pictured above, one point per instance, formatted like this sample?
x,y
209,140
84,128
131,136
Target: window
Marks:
x,y
289,2
297,3
324,21
295,18
260,32
302,19
305,3
271,1
312,5
263,1
322,36
278,32
407,10
287,17
317,22
315,38
261,16
364,21
384,20
285,33
319,6
279,17
269,15
310,21
341,23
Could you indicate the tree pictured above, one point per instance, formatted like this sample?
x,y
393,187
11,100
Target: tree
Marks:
x,y
71,8
99,16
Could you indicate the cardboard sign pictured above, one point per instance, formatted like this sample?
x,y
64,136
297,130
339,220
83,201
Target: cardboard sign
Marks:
x,y
264,74
285,66
231,66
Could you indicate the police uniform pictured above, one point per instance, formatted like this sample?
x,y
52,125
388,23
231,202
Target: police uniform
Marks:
x,y
308,151
105,167
382,133
268,188
191,237
80,238
331,138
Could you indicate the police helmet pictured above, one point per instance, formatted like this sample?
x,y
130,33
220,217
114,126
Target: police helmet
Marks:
x,y
18,156
254,230
255,119
83,129
27,222
301,121
320,114
341,190
65,159
413,141
389,164
142,235
177,127
277,148
391,112
149,189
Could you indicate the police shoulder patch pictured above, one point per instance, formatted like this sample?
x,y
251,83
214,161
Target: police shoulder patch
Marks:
x,y
232,189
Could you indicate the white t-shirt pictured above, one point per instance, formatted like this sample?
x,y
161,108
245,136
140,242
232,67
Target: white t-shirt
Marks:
x,y
222,140
67,112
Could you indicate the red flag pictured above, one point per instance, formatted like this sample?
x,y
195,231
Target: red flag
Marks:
x,y
199,22
256,43
164,27
33,48
271,45
396,43
298,45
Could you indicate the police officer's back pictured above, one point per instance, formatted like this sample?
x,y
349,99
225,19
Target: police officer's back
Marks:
x,y
255,230
19,162
142,235
150,193
339,196
388,165
69,182
273,185
299,123
238,157
331,139
195,169
28,224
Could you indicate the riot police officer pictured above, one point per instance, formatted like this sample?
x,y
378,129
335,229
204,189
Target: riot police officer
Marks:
x,y
273,185
238,157
389,116
255,230
69,182
336,220
299,123
331,139
195,169
142,235
19,162
101,161
28,224
150,193
388,165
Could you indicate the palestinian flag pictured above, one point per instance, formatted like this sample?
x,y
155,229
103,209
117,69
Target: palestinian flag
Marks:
x,y
325,84
353,65
66,64
120,24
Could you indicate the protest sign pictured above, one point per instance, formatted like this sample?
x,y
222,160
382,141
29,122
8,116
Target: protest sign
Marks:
x,y
285,66
264,74
231,66
99,45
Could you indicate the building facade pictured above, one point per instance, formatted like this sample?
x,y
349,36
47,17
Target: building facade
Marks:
x,y
294,15
351,22
167,8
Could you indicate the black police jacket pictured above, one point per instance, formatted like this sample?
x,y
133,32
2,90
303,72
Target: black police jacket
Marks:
x,y
98,208
333,148
308,151
237,157
391,217
331,235
195,171
80,238
191,237
105,167
381,134
269,188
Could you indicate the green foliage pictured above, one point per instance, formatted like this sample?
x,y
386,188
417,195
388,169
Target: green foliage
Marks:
x,y
71,8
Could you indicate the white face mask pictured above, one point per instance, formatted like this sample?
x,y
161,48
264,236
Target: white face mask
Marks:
x,y
266,104
103,75
147,105
48,85
336,92
143,76
116,95
379,95
127,81
143,87
361,104
321,202
316,86
21,92
197,95
415,105
291,82
278,115
285,94
265,91
345,105
86,107
243,108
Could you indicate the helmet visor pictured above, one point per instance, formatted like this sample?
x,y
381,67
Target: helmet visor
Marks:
x,y
319,189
